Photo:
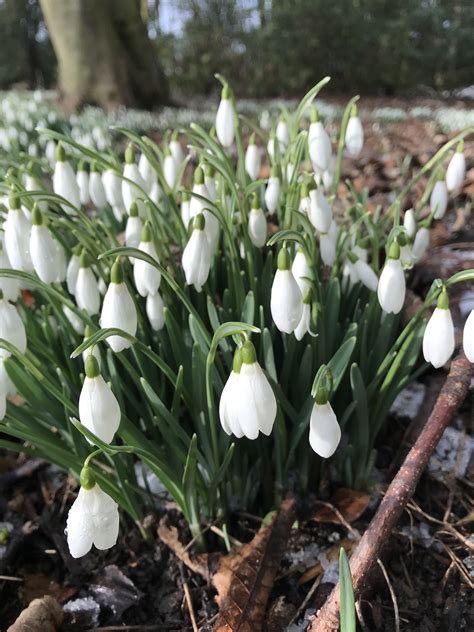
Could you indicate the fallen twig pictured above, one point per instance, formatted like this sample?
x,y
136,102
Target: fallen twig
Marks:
x,y
400,491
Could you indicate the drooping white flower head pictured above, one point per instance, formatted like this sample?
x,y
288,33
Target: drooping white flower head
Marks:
x,y
354,134
468,337
286,303
64,181
197,205
253,160
43,249
257,226
113,191
210,181
96,187
421,242
185,209
272,192
133,228
225,119
283,134
92,519
319,143
87,289
327,248
305,200
438,339
439,198
170,170
75,321
7,388
301,271
320,211
155,311
118,309
94,349
147,278
196,258
456,171
12,328
82,179
133,185
363,272
304,326
176,150
17,237
409,222
147,173
9,287
248,405
73,269
324,429
99,410
61,270
391,288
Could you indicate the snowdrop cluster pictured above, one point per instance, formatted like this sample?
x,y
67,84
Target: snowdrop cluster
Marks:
x,y
223,307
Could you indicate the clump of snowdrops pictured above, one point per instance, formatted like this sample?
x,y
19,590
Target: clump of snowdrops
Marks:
x,y
172,314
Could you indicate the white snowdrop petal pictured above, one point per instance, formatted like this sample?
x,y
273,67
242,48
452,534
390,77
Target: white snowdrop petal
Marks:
x,y
438,339
468,337
87,291
118,310
286,302
12,328
257,227
391,288
225,123
155,311
325,432
99,410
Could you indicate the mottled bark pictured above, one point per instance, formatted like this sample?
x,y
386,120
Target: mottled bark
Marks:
x,y
104,53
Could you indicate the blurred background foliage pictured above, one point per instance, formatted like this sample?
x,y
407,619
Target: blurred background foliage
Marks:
x,y
272,48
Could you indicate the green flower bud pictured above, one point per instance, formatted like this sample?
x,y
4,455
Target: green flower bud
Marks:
x,y
87,478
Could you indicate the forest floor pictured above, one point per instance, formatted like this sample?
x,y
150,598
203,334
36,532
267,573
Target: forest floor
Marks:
x,y
429,560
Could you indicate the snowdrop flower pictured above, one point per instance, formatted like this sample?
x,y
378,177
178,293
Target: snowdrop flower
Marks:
x,y
354,134
327,248
50,152
43,249
176,150
305,200
468,337
364,272
272,192
32,183
96,188
225,119
257,225
456,171
147,278
94,350
92,519
118,309
156,195
320,211
304,326
99,410
133,228
421,242
9,287
17,237
324,429
301,271
252,159
210,181
87,290
74,320
283,134
170,170
438,339
134,185
439,198
196,259
61,269
391,288
155,311
271,145
7,388
82,179
64,181
73,269
147,173
185,209
12,328
409,222
113,192
248,405
286,303
319,143
198,206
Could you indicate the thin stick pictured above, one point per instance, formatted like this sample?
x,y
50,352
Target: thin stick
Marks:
x,y
400,491
189,601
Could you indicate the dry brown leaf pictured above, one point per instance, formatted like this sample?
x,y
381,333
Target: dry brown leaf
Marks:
x,y
169,534
37,586
245,577
348,502
42,615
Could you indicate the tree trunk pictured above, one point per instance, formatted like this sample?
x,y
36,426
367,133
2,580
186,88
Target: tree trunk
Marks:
x,y
104,54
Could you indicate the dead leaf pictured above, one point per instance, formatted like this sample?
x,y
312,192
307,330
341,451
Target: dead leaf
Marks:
x,y
348,502
198,563
42,615
245,577
37,586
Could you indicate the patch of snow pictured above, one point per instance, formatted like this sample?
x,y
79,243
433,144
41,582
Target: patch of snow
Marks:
x,y
452,454
408,402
